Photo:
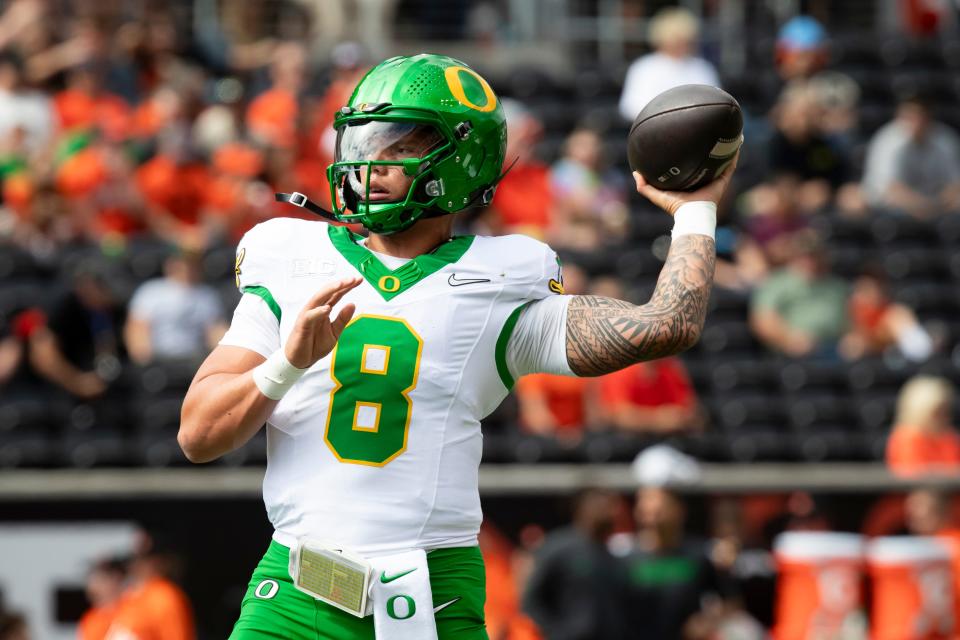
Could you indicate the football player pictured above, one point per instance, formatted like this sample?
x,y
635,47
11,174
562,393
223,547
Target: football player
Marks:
x,y
372,359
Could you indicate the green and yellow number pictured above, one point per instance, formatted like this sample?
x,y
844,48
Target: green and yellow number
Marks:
x,y
374,368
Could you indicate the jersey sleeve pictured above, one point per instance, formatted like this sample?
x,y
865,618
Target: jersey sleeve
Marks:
x,y
536,331
256,319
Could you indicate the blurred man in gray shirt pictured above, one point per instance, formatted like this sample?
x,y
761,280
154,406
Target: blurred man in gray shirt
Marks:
x,y
913,163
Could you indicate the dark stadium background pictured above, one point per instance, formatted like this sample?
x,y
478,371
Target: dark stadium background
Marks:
x,y
776,426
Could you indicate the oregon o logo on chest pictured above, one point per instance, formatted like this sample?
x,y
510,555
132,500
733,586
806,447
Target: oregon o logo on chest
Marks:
x,y
389,284
455,83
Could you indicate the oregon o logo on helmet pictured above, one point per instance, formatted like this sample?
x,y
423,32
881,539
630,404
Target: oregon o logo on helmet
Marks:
x,y
455,83
392,607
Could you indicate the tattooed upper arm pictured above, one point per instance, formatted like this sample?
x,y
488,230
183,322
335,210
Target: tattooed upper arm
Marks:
x,y
605,334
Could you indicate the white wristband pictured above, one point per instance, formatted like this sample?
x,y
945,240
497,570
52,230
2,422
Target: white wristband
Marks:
x,y
699,218
275,376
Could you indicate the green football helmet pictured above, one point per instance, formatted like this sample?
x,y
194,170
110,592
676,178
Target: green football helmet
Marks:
x,y
430,117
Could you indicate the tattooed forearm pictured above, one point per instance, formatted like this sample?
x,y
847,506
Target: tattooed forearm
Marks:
x,y
605,334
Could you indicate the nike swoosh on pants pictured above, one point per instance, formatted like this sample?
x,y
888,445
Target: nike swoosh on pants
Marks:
x,y
445,605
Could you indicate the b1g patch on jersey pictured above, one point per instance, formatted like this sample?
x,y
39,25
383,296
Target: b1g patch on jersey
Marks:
x,y
556,284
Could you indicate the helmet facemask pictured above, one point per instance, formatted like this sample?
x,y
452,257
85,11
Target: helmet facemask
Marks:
x,y
397,157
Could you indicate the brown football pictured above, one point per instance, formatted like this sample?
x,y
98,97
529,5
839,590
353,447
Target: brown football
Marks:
x,y
685,137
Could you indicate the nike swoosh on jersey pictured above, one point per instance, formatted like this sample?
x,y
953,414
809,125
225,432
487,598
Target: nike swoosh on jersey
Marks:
x,y
454,281
388,579
445,605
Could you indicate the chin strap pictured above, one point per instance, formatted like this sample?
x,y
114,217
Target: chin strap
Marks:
x,y
297,199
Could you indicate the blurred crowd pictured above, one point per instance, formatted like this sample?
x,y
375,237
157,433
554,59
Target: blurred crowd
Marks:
x,y
138,142
134,153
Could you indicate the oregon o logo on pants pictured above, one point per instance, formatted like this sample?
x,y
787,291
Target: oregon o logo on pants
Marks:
x,y
392,607
272,587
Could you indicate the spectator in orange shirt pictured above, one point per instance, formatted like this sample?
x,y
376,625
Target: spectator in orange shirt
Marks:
x,y
104,588
524,199
651,397
272,117
553,405
153,608
923,439
85,105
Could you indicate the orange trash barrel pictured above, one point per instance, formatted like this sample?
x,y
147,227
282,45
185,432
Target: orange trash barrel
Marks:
x,y
913,596
819,586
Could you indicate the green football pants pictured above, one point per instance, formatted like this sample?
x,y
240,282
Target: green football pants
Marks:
x,y
274,608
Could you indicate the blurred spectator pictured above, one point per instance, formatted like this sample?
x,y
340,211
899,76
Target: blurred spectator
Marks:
x,y
105,586
877,323
22,111
84,105
801,310
799,147
801,48
776,222
673,33
554,405
576,588
923,439
273,116
524,201
78,347
674,589
13,626
913,163
505,580
653,397
153,606
175,316
591,208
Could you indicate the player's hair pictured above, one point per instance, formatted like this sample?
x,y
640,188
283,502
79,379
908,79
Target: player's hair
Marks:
x,y
671,24
919,397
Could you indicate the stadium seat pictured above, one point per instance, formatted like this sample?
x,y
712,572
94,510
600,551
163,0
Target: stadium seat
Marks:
x,y
891,227
821,411
875,410
219,263
875,374
27,448
916,263
728,305
98,446
732,339
799,375
745,410
744,375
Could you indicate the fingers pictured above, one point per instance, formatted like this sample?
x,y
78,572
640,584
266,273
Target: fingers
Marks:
x,y
342,319
331,292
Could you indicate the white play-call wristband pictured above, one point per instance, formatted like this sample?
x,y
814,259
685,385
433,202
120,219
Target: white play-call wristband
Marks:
x,y
275,376
695,218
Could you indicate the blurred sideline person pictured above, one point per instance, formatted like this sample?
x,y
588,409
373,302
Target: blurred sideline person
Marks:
x,y
13,626
175,316
152,606
674,589
376,366
673,32
105,587
576,590
923,439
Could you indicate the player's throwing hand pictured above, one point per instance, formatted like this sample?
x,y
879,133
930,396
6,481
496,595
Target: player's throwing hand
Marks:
x,y
315,334
670,201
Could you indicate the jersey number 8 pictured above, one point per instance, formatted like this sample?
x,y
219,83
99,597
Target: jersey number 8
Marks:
x,y
374,368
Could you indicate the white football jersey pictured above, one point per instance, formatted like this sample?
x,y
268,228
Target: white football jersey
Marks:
x,y
377,447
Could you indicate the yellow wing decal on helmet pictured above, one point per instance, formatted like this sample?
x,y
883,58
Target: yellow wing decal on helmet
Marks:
x,y
455,83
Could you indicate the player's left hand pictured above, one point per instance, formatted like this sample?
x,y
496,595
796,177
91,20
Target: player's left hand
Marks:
x,y
670,201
